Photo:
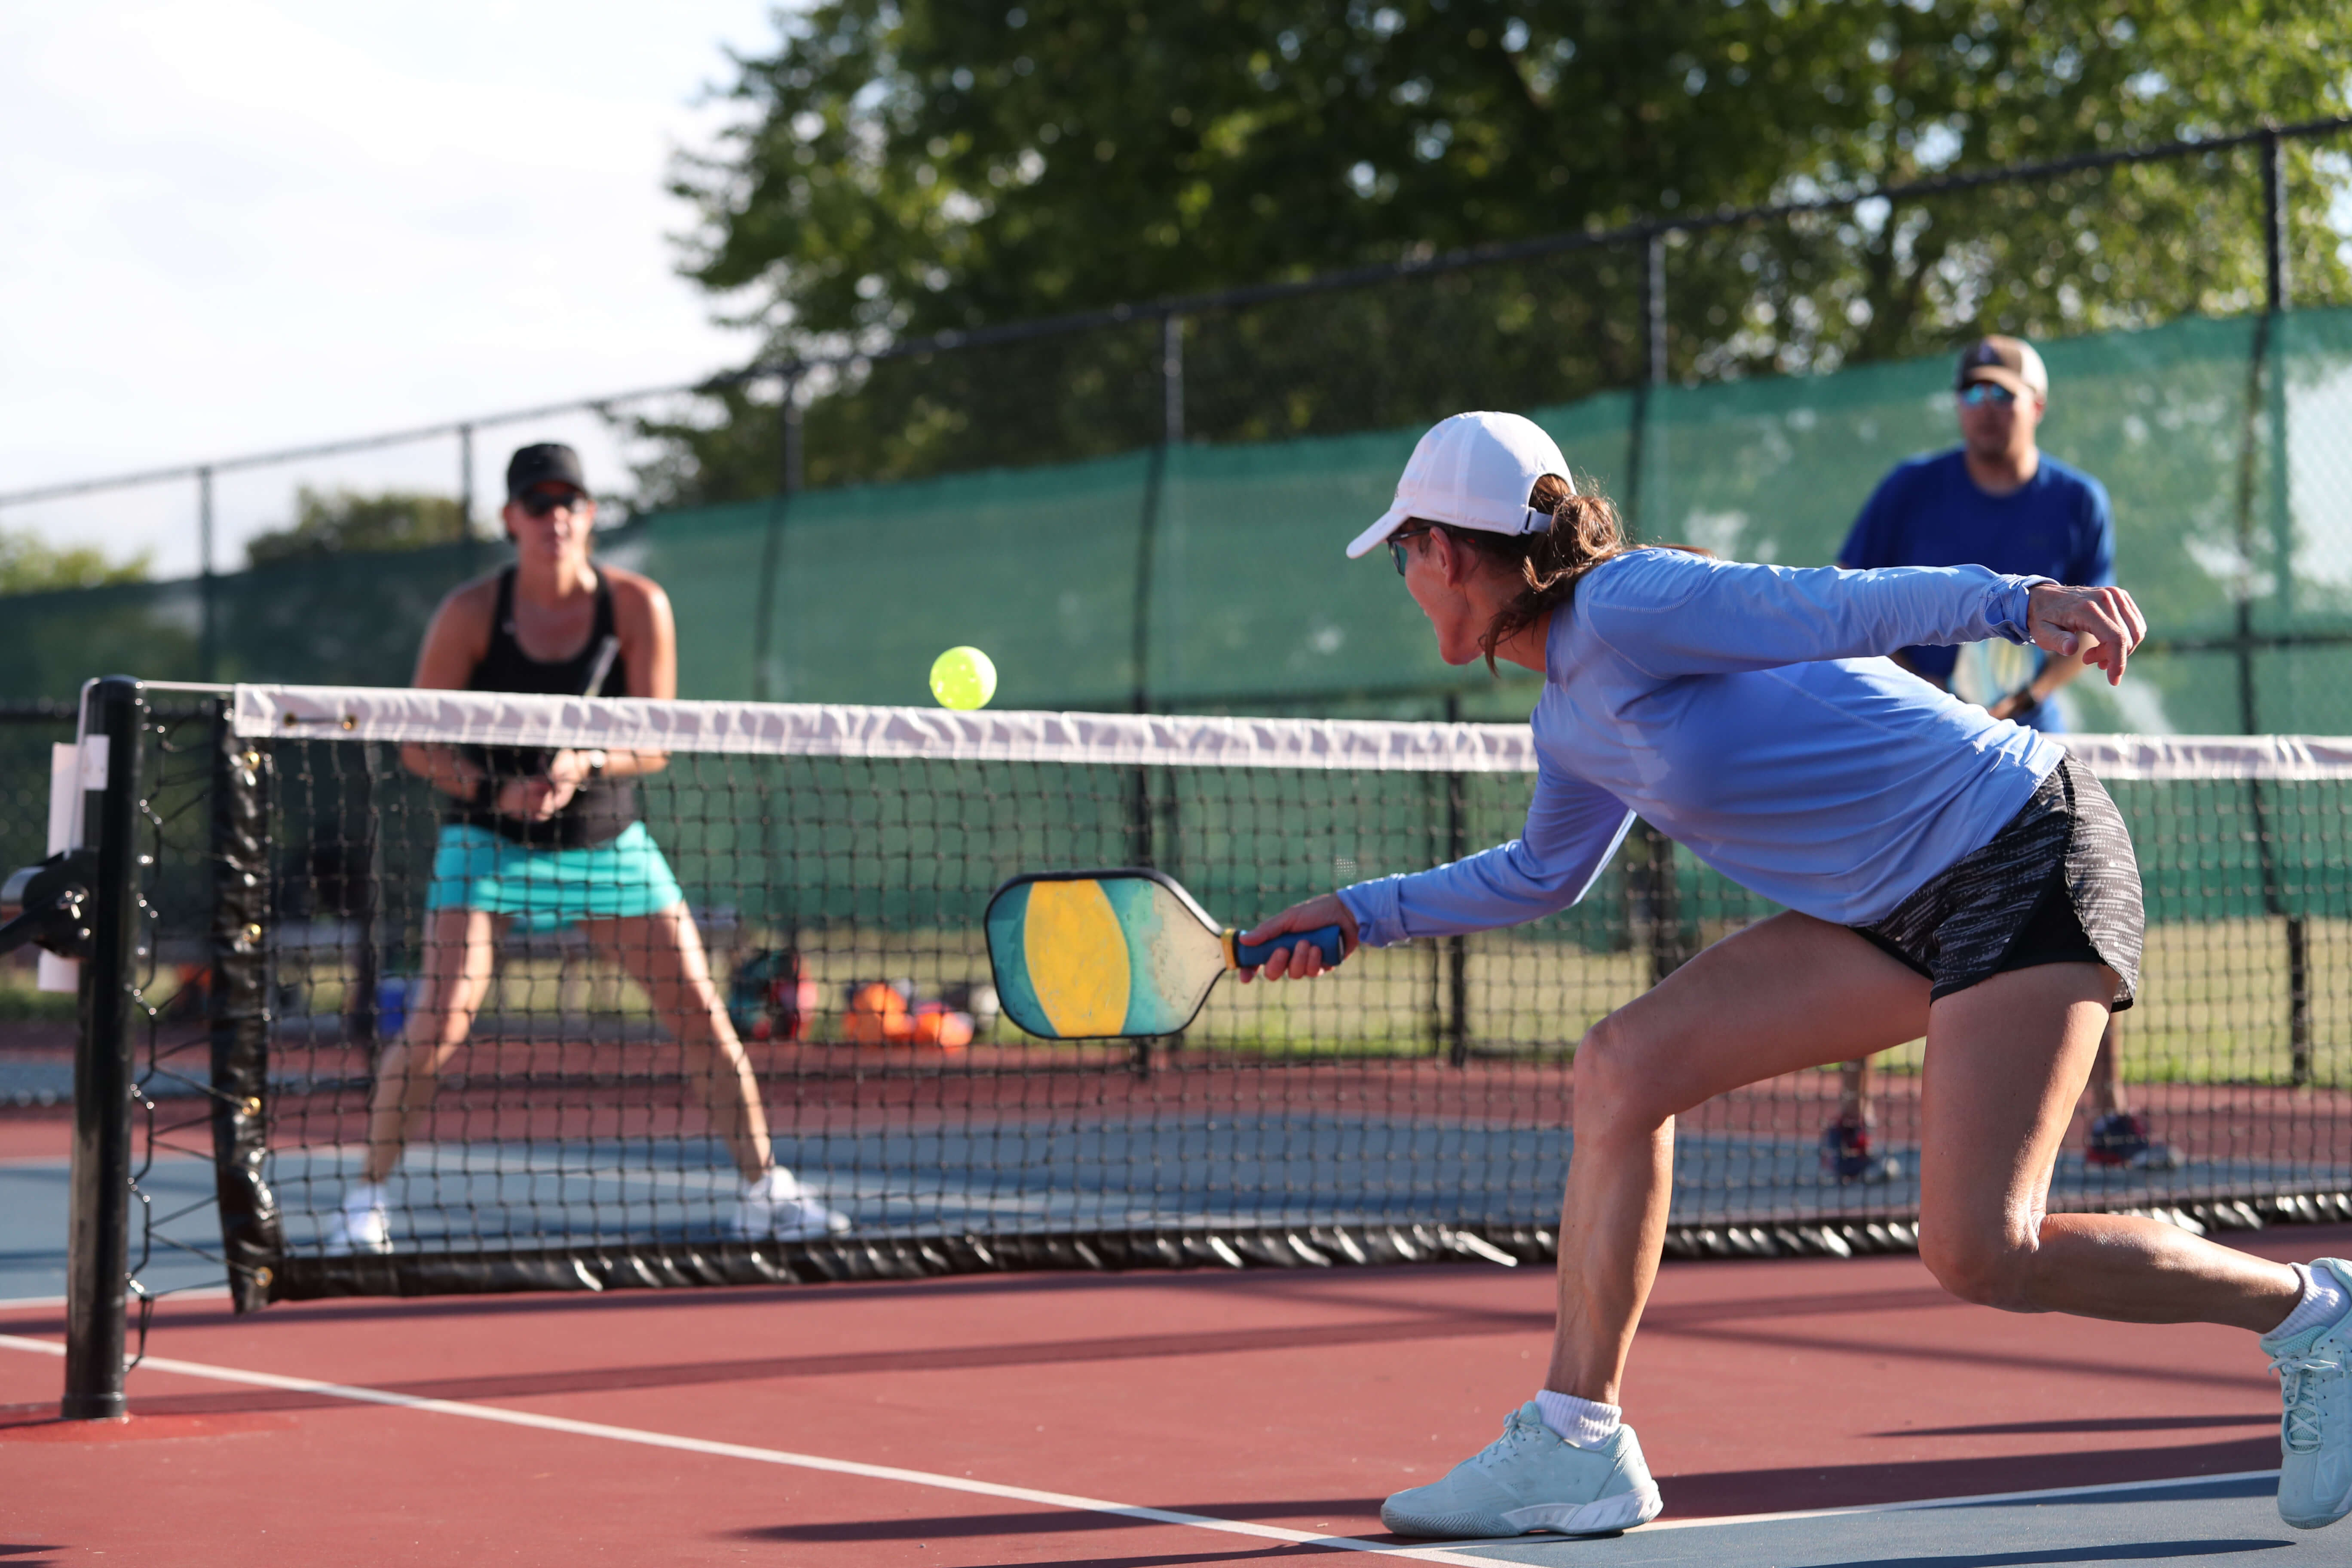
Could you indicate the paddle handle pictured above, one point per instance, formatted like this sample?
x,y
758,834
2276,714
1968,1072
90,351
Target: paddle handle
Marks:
x,y
1249,955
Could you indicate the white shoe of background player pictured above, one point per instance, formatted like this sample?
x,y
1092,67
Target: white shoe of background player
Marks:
x,y
363,1225
776,1208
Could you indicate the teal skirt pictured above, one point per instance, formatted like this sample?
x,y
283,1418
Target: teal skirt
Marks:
x,y
546,889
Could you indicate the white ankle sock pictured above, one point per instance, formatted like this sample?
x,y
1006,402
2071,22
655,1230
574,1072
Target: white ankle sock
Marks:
x,y
364,1195
1582,1422
2323,1301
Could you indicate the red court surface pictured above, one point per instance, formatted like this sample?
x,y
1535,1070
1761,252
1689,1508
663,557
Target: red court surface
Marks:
x,y
1293,1401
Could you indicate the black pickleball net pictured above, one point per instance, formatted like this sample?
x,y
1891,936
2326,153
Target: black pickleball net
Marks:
x,y
836,862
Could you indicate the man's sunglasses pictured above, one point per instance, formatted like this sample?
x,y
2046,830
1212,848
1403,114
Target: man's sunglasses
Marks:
x,y
1982,392
539,503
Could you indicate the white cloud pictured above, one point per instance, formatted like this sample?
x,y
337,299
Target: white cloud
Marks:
x,y
238,225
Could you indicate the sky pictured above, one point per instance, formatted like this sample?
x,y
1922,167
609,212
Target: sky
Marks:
x,y
239,226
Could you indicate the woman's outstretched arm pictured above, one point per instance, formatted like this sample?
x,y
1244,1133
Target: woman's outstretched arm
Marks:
x,y
1573,828
1669,614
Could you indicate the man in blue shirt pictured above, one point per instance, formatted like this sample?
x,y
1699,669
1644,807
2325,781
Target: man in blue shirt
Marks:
x,y
1998,501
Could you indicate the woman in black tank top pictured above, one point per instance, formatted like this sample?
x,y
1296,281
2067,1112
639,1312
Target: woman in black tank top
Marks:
x,y
553,839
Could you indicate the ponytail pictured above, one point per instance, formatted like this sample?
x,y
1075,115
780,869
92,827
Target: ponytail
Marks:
x,y
1585,531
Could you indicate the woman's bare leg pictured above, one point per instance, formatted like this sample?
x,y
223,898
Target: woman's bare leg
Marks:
x,y
459,959
1788,994
2006,1061
664,953
2106,1089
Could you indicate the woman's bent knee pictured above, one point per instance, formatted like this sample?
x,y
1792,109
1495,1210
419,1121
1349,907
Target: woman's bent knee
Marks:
x,y
1617,1077
1986,1270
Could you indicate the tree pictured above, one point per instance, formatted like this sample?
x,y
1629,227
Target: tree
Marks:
x,y
30,565
913,166
328,523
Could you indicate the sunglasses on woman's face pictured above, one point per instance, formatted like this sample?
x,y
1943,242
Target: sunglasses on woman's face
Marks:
x,y
539,503
1981,391
1397,542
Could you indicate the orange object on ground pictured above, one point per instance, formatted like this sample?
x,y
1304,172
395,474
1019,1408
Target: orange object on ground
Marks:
x,y
879,1015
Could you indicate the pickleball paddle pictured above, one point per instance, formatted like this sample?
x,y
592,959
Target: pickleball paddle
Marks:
x,y
1090,956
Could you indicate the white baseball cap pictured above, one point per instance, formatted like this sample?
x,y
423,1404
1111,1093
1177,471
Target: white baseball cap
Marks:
x,y
1474,470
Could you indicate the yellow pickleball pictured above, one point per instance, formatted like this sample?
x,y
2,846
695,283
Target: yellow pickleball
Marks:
x,y
963,679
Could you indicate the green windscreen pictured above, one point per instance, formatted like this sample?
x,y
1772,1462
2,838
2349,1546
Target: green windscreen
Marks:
x,y
1203,576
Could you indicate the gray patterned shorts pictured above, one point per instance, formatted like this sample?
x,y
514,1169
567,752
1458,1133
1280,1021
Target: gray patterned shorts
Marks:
x,y
2058,885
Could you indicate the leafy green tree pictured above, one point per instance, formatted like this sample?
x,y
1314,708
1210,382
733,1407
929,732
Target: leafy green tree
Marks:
x,y
30,565
328,522
910,166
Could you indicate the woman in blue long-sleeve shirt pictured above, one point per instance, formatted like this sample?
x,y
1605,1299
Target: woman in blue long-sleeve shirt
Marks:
x,y
1946,873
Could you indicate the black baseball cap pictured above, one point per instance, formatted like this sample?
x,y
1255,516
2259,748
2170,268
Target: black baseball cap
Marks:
x,y
549,462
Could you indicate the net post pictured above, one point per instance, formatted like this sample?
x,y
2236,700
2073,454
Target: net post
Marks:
x,y
98,1223
251,1241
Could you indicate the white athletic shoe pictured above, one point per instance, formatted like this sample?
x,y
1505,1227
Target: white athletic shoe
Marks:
x,y
1530,1478
363,1225
776,1208
2315,1372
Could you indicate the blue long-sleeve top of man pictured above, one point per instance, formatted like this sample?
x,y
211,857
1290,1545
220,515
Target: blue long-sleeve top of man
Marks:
x,y
1748,714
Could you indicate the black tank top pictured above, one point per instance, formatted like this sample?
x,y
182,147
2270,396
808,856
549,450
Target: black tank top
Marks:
x,y
602,808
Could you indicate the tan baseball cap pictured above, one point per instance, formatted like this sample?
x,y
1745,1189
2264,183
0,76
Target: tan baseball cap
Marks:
x,y
2006,362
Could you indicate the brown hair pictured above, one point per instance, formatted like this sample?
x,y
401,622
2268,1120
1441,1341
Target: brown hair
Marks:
x,y
1585,531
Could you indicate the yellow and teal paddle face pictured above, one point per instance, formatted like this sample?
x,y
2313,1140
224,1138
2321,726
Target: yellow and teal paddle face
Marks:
x,y
1097,954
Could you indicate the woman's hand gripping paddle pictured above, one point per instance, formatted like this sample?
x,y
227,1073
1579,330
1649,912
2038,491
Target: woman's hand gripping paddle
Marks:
x,y
1090,955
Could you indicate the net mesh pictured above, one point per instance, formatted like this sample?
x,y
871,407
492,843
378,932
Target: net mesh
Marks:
x,y
590,1129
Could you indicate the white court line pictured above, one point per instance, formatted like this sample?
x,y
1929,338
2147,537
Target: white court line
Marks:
x,y
2049,1494
773,1456
1066,1500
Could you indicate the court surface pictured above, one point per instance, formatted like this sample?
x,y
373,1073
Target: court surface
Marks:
x,y
1137,1420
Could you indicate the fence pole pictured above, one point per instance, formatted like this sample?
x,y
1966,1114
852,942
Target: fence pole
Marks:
x,y
206,653
99,1203
2275,221
2271,382
1654,306
771,550
1654,373
1657,893
1457,947
466,480
1172,379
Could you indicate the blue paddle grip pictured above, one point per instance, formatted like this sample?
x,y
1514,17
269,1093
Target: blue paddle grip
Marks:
x,y
1327,938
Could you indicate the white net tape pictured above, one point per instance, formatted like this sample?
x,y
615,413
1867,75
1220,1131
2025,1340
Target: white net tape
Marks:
x,y
810,729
